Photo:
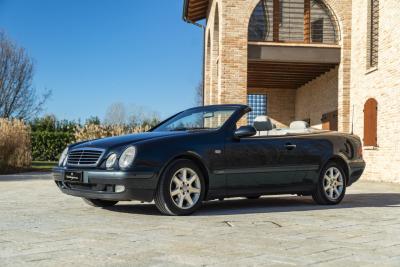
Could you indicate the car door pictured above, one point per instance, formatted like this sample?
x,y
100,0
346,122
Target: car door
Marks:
x,y
300,161
268,164
252,165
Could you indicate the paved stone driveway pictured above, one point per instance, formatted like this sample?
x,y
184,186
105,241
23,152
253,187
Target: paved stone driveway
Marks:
x,y
39,226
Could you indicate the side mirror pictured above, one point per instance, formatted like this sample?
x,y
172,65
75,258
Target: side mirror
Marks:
x,y
245,131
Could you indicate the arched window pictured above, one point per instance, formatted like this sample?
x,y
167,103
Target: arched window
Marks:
x,y
261,22
371,122
307,21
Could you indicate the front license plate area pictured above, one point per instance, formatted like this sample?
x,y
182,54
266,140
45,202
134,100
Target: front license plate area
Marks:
x,y
73,177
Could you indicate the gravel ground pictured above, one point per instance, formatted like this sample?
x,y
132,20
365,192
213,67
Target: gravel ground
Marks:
x,y
40,226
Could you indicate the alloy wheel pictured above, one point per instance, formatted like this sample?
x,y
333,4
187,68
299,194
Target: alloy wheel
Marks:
x,y
333,183
185,188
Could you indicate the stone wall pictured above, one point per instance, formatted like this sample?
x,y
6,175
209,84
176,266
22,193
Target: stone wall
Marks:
x,y
233,20
317,97
381,83
354,83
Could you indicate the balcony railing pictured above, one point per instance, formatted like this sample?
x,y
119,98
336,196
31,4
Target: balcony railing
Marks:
x,y
298,21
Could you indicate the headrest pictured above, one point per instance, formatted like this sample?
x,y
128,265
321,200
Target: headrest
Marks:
x,y
298,125
262,123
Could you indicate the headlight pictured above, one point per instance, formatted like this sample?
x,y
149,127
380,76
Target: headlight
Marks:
x,y
127,157
111,160
63,157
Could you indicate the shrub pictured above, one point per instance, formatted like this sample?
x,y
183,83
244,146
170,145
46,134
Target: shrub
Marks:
x,y
92,131
15,145
49,123
48,146
50,136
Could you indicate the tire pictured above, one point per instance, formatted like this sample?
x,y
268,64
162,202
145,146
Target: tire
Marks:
x,y
178,194
331,187
99,202
253,197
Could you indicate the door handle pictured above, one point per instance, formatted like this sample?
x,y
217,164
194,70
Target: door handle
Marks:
x,y
217,151
290,146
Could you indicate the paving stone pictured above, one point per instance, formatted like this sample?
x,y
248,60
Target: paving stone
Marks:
x,y
40,226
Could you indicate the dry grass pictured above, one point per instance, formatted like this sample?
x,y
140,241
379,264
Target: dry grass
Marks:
x,y
91,131
15,145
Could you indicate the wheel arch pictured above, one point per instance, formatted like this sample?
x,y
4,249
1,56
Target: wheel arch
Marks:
x,y
340,160
194,158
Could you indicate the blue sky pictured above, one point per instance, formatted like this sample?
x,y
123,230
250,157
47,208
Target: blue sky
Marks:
x,y
92,53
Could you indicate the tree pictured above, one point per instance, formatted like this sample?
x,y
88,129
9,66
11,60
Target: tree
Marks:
x,y
115,114
49,123
136,115
142,117
132,116
199,93
18,98
94,120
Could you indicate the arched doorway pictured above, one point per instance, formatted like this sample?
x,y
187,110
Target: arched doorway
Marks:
x,y
293,59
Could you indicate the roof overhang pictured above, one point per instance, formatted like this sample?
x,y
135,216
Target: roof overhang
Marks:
x,y
294,52
289,66
195,10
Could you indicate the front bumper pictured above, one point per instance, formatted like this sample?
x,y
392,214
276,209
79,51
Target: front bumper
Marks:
x,y
100,184
356,169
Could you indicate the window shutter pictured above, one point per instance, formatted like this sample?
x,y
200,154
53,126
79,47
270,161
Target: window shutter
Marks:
x,y
371,122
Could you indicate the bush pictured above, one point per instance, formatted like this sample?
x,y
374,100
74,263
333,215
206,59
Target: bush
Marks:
x,y
15,145
50,136
49,123
48,146
92,131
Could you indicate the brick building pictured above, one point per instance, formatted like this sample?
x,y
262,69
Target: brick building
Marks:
x,y
328,62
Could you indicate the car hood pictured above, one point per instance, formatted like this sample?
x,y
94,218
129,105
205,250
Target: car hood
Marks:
x,y
111,142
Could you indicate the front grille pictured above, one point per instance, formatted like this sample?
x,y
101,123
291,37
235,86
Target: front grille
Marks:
x,y
84,157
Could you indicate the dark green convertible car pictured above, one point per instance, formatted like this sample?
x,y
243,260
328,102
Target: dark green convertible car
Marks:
x,y
202,154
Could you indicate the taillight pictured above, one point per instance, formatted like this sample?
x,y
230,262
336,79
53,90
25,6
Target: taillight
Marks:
x,y
359,152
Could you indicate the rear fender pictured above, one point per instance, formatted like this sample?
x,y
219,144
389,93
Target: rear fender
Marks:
x,y
342,161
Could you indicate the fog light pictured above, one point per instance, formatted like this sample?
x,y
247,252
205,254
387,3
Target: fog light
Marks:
x,y
119,188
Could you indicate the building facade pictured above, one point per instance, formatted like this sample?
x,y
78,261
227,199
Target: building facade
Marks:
x,y
332,63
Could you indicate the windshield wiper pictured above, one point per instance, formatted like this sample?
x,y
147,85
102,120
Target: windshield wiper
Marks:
x,y
199,128
179,129
189,129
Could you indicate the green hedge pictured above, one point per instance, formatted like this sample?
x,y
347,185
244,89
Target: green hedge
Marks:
x,y
48,146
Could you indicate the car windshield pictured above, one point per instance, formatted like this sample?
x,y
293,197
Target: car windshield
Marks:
x,y
197,119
